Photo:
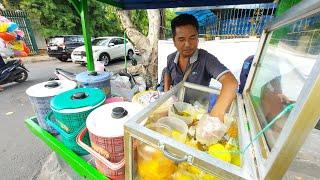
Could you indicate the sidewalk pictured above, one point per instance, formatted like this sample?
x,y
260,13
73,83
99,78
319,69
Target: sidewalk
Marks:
x,y
37,58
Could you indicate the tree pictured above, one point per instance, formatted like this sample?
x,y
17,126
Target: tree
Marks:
x,y
58,17
148,45
52,17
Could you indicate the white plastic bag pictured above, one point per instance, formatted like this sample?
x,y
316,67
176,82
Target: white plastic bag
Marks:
x,y
121,86
210,130
141,83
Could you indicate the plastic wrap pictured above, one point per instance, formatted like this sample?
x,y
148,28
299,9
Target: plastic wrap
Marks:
x,y
210,130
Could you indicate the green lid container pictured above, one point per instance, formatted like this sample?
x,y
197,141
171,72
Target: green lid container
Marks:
x,y
71,108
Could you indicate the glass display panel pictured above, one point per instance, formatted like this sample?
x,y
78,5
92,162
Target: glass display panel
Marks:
x,y
150,163
285,64
178,118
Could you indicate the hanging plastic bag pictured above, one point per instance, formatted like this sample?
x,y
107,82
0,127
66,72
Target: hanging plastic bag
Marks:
x,y
20,53
12,27
19,33
4,19
3,26
7,36
17,45
210,130
25,48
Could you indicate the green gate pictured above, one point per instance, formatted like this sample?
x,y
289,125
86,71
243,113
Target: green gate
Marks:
x,y
24,24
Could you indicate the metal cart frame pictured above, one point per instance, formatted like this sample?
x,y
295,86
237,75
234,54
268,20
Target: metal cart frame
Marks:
x,y
304,115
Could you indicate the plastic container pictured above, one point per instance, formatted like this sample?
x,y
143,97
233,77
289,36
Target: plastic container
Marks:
x,y
160,128
151,163
186,109
96,79
40,96
106,130
69,140
179,128
147,97
114,99
72,108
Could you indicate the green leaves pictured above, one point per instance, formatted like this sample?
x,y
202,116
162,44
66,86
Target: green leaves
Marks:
x,y
52,17
59,17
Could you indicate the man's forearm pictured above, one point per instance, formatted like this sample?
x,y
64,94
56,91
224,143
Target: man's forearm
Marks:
x,y
227,94
167,82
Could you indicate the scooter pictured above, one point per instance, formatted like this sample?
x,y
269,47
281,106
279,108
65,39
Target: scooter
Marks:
x,y
13,71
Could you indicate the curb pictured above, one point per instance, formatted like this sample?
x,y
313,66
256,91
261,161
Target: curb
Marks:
x,y
34,59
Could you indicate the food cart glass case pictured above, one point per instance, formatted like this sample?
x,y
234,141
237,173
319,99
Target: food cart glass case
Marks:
x,y
273,117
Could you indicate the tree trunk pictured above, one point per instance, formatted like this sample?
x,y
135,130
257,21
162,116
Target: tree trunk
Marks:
x,y
163,24
148,46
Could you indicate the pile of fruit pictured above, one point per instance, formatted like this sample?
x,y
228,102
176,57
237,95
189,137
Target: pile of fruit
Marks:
x,y
226,149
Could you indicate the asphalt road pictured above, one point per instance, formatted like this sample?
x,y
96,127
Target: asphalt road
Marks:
x,y
21,153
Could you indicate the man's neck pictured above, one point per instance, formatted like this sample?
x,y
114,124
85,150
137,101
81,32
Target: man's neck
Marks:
x,y
183,62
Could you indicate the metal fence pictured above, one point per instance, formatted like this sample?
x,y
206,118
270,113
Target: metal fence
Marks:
x,y
24,24
237,21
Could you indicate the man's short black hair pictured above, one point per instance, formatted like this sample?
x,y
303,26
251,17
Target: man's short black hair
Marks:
x,y
182,20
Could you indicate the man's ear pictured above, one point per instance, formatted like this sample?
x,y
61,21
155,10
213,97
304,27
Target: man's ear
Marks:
x,y
174,41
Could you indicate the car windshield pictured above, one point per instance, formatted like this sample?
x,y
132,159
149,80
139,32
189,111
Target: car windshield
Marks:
x,y
100,42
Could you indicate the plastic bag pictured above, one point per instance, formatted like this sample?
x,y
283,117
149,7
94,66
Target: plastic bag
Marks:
x,y
182,110
121,86
210,130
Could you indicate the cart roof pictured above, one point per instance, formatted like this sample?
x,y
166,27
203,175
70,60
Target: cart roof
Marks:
x,y
157,4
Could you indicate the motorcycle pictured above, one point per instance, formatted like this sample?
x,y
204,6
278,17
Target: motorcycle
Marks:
x,y
13,71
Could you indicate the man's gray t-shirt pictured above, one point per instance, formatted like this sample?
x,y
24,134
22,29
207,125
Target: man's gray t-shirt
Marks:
x,y
206,66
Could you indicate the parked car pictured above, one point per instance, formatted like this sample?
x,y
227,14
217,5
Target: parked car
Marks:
x,y
61,47
104,49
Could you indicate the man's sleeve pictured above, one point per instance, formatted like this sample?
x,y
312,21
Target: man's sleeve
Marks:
x,y
215,68
169,65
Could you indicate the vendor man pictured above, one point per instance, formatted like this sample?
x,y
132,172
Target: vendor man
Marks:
x,y
197,65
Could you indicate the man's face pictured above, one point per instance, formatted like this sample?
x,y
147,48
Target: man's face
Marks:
x,y
186,40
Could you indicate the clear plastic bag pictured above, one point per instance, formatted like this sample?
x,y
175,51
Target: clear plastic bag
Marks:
x,y
210,130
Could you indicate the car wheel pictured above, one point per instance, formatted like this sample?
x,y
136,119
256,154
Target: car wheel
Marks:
x,y
130,54
104,58
63,59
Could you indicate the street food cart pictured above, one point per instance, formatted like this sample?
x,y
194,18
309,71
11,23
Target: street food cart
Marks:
x,y
273,117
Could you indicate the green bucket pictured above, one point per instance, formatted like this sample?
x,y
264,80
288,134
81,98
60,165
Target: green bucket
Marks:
x,y
69,140
72,108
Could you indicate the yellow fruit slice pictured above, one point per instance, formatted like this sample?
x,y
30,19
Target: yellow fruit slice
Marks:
x,y
176,135
209,177
218,151
236,160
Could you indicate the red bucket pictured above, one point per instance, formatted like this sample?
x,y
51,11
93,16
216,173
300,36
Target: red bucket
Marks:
x,y
114,99
108,154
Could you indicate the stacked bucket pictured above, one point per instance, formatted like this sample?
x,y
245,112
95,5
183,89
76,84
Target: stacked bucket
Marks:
x,y
40,96
106,129
95,79
69,113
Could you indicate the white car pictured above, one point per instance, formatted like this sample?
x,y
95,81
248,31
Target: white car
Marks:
x,y
104,49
